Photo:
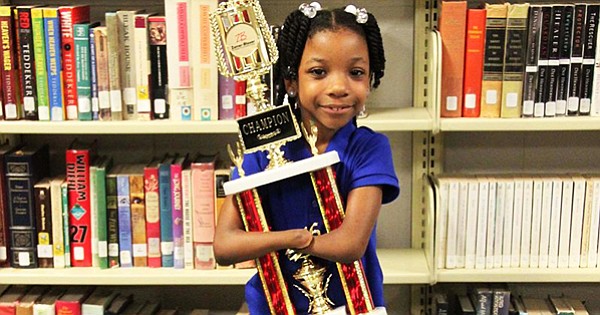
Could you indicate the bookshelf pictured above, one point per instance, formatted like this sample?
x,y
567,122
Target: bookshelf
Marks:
x,y
403,108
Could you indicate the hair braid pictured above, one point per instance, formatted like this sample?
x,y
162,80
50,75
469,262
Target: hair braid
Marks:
x,y
376,52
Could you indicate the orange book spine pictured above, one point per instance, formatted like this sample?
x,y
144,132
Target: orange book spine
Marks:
x,y
203,205
474,45
452,26
138,220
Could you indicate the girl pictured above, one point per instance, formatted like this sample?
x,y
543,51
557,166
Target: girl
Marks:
x,y
329,62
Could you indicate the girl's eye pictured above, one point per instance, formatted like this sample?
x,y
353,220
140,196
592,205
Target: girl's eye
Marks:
x,y
317,72
357,72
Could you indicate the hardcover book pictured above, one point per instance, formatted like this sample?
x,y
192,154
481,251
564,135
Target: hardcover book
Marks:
x,y
166,215
226,98
39,53
54,63
124,210
24,167
566,42
589,54
93,75
13,108
79,156
64,192
11,297
556,19
69,16
158,66
58,235
152,201
473,71
98,301
142,66
138,215
43,218
102,73
4,209
27,62
46,305
495,37
576,59
25,306
114,66
112,214
543,60
126,25
531,60
178,165
119,304
203,187
83,68
99,211
71,301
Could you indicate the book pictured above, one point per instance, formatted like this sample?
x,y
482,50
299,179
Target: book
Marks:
x,y
27,62
99,204
543,61
64,193
124,210
150,308
152,201
166,216
205,74
43,219
4,208
11,93
500,301
46,305
576,59
112,215
134,307
577,210
577,306
531,60
240,105
39,56
78,157
11,297
515,260
114,66
440,304
26,303
204,210
54,63
186,200
565,221
138,215
555,222
465,306
71,301
226,98
592,201
589,54
452,26
565,44
495,38
158,67
24,167
83,68
180,163
473,64
126,25
98,301
58,235
556,19
560,306
95,107
482,212
142,66
102,73
119,304
69,16
514,60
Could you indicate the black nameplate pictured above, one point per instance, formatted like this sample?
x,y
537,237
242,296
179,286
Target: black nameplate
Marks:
x,y
262,129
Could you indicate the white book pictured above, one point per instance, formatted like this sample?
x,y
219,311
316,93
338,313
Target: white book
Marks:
x,y
499,222
553,241
126,24
576,221
509,197
98,302
491,225
142,66
471,237
546,216
114,66
594,186
186,198
536,215
58,239
205,75
526,221
515,260
482,212
453,193
461,233
565,222
586,231
595,105
441,220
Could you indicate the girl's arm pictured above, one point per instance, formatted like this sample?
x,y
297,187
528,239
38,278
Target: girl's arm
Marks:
x,y
233,244
349,242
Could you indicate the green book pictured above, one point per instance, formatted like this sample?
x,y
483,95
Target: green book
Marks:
x,y
39,53
98,180
83,69
65,211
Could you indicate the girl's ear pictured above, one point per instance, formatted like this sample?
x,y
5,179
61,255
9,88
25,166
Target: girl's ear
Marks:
x,y
291,85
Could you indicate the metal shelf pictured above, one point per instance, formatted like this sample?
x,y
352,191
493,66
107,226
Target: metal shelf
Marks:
x,y
520,275
520,124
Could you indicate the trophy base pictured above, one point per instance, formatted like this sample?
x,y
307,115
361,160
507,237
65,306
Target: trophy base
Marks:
x,y
273,175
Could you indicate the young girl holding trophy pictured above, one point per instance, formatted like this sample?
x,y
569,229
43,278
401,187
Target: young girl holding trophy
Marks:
x,y
329,60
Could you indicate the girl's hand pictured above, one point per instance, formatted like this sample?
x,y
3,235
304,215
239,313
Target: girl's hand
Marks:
x,y
301,239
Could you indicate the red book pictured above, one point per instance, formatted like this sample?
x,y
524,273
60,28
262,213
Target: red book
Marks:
x,y
4,209
69,16
70,303
10,299
9,72
78,159
240,99
177,167
474,46
152,200
452,23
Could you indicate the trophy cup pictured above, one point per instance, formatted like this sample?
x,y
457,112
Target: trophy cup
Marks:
x,y
246,50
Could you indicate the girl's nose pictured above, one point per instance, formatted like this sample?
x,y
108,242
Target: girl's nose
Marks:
x,y
338,85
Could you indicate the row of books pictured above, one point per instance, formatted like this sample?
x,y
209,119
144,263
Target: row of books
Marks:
x,y
498,300
506,221
157,214
83,300
133,65
520,60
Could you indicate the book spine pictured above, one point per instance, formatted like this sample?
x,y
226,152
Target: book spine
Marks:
x,y
203,183
94,215
526,222
576,59
124,206
54,64
536,217
27,64
474,45
142,67
186,198
546,217
78,181
452,26
43,224
566,42
126,24
114,67
64,193
152,200
83,70
577,211
509,196
543,60
102,73
514,60
93,75
10,69
177,212
495,36
166,217
180,91
158,67
555,223
204,62
138,220
565,223
112,214
531,60
481,223
68,307
226,98
22,216
101,210
58,236
589,53
515,260
41,73
69,16
240,105
557,17
4,217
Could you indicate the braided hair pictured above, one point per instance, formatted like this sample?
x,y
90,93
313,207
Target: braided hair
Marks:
x,y
298,28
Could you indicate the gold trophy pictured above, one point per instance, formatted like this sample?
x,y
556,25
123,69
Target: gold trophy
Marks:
x,y
246,50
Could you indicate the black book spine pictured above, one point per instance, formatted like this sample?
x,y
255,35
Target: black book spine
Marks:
x,y
531,59
553,59
589,54
566,41
27,63
158,69
576,59
543,59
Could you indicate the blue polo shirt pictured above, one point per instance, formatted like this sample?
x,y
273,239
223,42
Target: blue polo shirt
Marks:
x,y
365,160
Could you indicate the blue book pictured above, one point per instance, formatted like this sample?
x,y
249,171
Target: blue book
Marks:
x,y
124,209
53,63
166,216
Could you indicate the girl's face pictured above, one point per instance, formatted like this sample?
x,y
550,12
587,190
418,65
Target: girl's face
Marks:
x,y
333,79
